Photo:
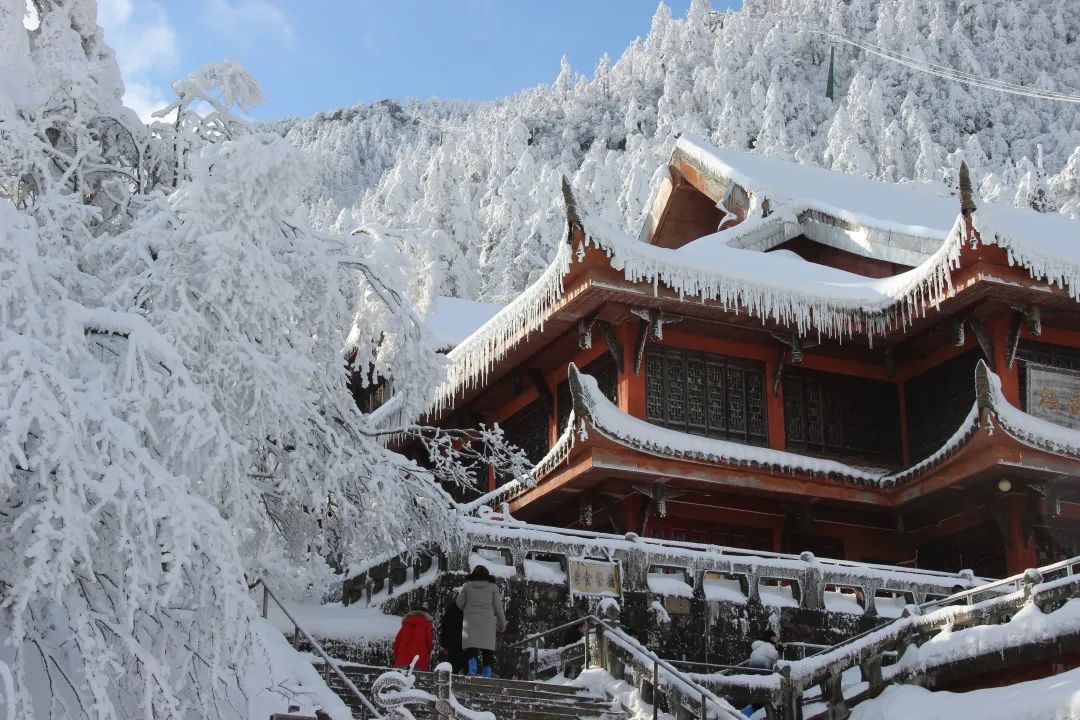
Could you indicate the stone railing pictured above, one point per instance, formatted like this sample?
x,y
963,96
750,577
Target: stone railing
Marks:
x,y
705,607
813,687
811,582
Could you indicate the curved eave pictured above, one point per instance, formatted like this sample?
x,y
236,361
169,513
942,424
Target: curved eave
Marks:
x,y
992,437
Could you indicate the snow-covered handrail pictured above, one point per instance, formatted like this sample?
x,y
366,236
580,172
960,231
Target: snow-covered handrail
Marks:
x,y
641,656
690,550
866,650
316,646
1031,588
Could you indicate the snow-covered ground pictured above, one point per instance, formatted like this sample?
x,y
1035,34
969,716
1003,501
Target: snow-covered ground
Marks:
x,y
1052,698
339,622
279,676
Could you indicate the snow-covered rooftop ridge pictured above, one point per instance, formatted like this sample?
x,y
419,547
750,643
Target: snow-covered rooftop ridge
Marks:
x,y
558,453
926,210
451,319
610,421
607,419
1046,244
1027,428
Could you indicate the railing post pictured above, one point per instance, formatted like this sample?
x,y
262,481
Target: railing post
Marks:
x,y
442,692
601,648
704,707
536,660
655,690
266,601
588,631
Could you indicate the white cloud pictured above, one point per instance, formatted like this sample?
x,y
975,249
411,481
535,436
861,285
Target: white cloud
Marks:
x,y
145,99
249,17
145,45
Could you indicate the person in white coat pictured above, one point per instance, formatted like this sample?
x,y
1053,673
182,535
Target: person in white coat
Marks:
x,y
482,606
765,651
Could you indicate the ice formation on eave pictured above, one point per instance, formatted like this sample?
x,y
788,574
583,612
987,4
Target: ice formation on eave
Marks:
x,y
792,292
474,357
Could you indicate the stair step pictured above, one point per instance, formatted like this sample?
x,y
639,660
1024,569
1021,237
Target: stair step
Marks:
x,y
506,699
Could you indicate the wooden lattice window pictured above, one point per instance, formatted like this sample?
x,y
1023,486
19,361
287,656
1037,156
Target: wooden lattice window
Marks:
x,y
528,429
607,377
372,397
841,416
937,401
706,394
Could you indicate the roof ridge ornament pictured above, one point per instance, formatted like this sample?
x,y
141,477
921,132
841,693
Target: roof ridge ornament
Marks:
x,y
572,216
967,198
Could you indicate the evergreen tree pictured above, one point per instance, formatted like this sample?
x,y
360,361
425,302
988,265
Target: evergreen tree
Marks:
x,y
1066,186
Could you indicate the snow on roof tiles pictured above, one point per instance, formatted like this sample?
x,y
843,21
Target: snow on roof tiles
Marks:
x,y
451,320
924,210
1047,244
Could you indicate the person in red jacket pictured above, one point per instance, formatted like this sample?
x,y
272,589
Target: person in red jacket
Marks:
x,y
415,639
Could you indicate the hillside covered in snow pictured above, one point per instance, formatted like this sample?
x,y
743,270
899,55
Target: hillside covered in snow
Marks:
x,y
488,174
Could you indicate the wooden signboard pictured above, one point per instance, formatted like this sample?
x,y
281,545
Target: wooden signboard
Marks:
x,y
1054,394
594,577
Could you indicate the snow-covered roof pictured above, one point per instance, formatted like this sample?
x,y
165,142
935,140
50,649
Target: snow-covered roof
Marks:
x,y
777,286
804,296
451,320
611,422
921,210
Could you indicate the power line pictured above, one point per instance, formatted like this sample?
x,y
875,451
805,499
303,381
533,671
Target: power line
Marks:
x,y
948,73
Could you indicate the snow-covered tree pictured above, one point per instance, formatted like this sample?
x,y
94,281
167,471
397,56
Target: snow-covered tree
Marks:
x,y
752,82
1067,186
176,407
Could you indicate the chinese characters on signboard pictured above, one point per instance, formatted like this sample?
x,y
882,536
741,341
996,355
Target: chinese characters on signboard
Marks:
x,y
594,577
1054,395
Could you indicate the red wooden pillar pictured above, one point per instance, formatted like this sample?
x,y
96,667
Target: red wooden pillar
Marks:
x,y
774,403
905,439
778,537
631,384
998,327
632,508
1019,554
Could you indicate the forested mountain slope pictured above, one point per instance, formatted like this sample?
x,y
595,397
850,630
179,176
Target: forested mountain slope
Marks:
x,y
488,174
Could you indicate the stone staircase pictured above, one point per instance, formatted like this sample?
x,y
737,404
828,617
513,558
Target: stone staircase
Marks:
x,y
506,699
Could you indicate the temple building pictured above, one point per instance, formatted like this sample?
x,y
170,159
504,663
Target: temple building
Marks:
x,y
790,359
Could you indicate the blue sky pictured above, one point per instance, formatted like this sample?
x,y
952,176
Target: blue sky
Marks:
x,y
312,55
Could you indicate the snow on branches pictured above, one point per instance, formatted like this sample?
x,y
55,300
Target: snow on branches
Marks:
x,y
175,405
